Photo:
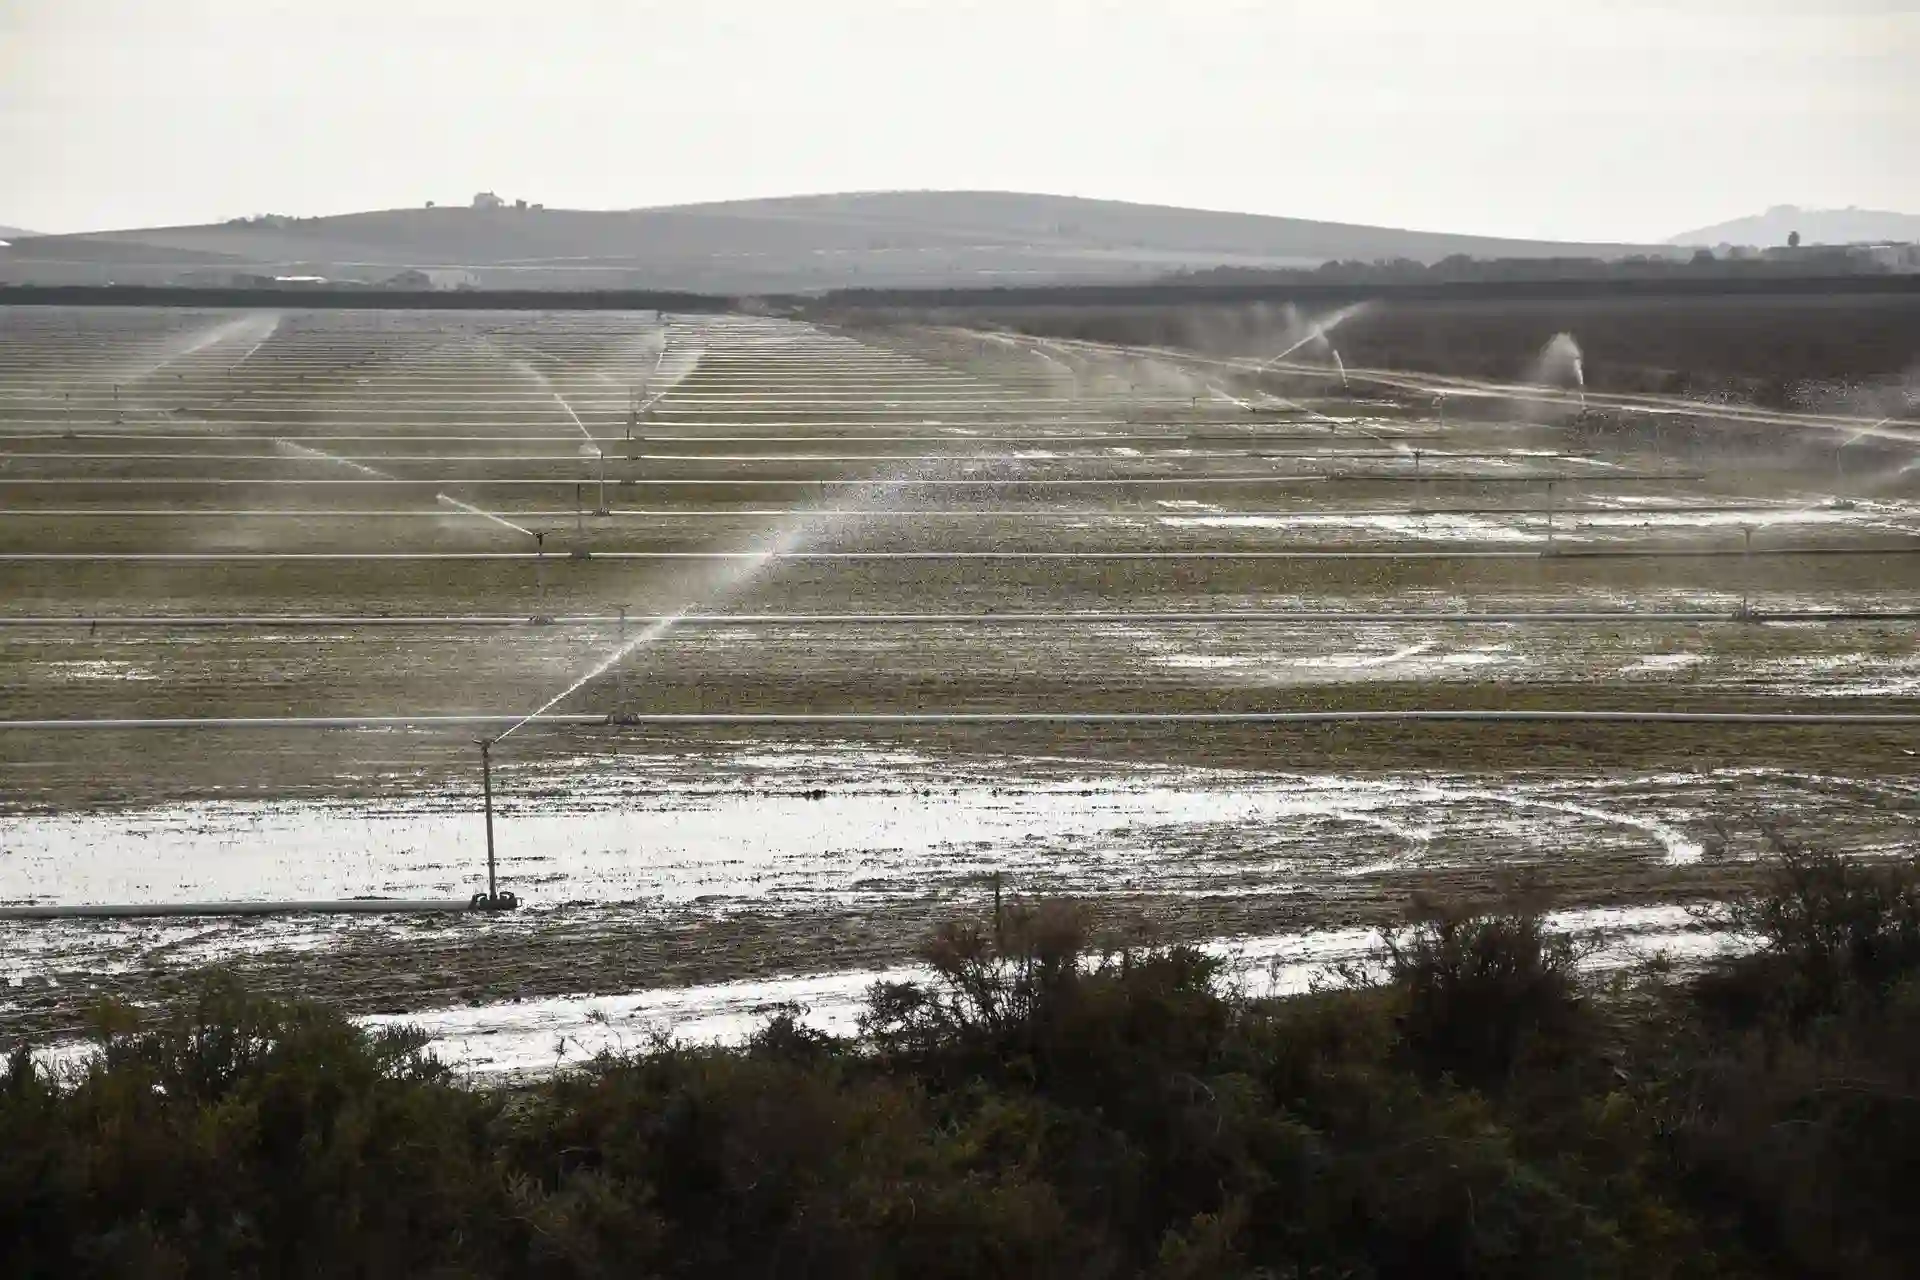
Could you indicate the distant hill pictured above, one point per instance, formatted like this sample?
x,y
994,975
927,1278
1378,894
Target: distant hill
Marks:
x,y
1816,226
15,233
881,239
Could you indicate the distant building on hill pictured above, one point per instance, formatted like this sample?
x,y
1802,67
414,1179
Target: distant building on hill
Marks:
x,y
445,278
1847,258
488,200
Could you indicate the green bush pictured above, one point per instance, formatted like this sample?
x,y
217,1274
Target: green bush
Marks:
x,y
1792,1086
1481,990
1831,932
1041,1106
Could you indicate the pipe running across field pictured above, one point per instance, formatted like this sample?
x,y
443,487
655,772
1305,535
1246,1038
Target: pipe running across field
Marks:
x,y
841,482
850,718
1542,553
166,910
1168,616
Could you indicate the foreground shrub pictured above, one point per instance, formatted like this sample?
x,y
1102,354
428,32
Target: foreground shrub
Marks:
x,y
1832,932
1042,1107
239,1136
1481,991
1792,1086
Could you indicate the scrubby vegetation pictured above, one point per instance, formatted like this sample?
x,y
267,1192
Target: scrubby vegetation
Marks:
x,y
1465,1105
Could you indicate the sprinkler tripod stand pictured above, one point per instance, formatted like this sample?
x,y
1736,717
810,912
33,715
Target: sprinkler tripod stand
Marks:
x,y
492,899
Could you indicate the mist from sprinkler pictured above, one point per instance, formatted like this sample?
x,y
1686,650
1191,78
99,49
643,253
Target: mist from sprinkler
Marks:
x,y
321,455
547,384
1562,357
260,326
472,510
671,379
1317,332
739,574
248,353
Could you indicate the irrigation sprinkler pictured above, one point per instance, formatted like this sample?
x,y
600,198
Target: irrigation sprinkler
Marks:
x,y
600,480
493,899
540,571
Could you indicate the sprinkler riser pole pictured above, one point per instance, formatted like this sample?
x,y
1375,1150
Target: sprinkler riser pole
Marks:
x,y
1746,575
486,785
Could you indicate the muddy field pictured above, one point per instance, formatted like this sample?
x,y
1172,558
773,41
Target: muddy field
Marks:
x,y
342,514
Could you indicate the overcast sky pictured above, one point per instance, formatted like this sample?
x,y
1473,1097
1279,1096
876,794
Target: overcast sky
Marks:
x,y
1597,121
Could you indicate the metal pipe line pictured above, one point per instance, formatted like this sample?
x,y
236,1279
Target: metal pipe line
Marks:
x,y
323,557
776,718
869,482
166,910
1173,616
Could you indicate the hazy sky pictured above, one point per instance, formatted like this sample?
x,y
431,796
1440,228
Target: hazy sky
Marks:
x,y
1601,121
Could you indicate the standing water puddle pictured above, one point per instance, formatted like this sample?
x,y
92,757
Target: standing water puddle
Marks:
x,y
799,828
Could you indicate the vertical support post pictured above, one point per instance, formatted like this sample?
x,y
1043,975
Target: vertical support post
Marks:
x,y
600,474
540,571
1746,574
1549,517
579,517
486,786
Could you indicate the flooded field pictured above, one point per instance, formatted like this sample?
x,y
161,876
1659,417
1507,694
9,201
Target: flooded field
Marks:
x,y
303,515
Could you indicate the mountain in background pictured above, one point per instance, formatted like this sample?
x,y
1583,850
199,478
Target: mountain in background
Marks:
x,y
798,243
1816,226
15,233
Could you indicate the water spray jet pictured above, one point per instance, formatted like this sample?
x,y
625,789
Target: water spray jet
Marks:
x,y
1562,357
1317,333
472,510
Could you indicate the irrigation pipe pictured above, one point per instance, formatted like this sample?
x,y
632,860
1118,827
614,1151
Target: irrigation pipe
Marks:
x,y
324,557
1069,618
776,718
165,910
1033,482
